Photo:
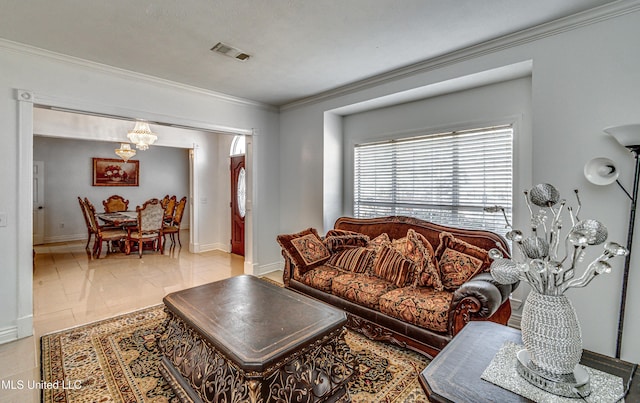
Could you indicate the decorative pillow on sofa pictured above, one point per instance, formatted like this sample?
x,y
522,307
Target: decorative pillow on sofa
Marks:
x,y
305,248
357,260
428,274
376,243
417,248
459,261
392,266
339,232
337,243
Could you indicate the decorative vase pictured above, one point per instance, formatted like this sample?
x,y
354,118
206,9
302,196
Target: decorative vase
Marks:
x,y
551,333
550,329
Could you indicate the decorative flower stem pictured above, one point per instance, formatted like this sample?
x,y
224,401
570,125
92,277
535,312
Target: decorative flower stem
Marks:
x,y
539,265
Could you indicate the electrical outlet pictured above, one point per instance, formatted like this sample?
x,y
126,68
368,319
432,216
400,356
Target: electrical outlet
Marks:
x,y
3,219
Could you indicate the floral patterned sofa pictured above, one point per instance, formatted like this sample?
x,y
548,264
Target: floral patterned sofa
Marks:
x,y
401,280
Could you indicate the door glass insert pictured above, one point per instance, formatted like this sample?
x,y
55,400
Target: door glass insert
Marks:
x,y
242,195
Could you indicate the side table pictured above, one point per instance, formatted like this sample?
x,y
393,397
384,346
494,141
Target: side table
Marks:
x,y
454,375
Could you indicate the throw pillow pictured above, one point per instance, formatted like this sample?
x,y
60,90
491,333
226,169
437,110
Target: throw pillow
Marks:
x,y
459,261
337,243
376,243
339,232
357,260
427,275
392,266
304,248
416,247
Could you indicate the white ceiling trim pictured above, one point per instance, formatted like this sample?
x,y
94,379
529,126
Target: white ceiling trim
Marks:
x,y
76,61
592,16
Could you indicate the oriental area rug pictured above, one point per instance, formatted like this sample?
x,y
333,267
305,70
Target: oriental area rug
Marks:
x,y
116,360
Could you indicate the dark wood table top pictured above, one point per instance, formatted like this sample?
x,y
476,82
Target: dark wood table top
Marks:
x,y
454,375
120,218
253,322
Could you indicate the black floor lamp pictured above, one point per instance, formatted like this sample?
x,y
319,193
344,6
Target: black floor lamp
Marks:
x,y
602,171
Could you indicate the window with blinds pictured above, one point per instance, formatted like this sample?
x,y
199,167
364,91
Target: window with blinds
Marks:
x,y
446,178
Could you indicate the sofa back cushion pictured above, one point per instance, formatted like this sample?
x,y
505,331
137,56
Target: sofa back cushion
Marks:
x,y
458,261
304,248
392,266
357,260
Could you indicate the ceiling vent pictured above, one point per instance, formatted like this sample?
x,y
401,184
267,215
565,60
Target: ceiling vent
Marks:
x,y
230,51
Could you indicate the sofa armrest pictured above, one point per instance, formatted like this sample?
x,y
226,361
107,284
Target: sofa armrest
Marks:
x,y
477,299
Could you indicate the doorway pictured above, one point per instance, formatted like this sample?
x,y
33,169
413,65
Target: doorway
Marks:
x,y
26,102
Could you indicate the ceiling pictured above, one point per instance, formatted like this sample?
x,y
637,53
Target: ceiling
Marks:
x,y
298,48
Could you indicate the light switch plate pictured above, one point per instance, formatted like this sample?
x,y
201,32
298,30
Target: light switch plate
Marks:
x,y
3,219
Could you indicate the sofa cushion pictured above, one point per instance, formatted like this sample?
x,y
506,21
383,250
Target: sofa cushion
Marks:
x,y
357,260
305,248
363,289
458,261
421,306
392,266
337,243
319,278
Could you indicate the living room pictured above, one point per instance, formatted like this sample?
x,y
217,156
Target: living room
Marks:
x,y
569,79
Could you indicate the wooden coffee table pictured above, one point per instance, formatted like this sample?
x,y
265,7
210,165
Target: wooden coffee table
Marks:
x,y
244,339
455,374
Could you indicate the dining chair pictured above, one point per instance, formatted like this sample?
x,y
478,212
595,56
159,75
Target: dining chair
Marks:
x,y
149,227
87,221
169,209
174,228
102,234
115,203
164,201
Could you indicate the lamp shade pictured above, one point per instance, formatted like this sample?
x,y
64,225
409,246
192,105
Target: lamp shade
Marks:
x,y
601,171
627,135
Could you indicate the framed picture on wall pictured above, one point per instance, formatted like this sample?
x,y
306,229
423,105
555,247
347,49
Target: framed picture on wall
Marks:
x,y
115,172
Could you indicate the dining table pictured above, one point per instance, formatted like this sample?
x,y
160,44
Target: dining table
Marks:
x,y
120,218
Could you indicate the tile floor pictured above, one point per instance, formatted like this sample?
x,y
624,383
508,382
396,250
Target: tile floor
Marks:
x,y
69,289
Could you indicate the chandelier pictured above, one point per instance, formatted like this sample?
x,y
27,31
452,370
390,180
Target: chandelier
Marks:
x,y
142,136
125,151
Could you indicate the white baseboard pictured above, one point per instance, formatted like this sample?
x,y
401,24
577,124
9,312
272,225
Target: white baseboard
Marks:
x,y
261,270
8,334
65,238
206,247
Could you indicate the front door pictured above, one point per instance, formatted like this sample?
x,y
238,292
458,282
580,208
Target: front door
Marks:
x,y
238,206
38,202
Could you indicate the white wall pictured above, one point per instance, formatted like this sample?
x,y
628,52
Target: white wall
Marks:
x,y
585,77
54,79
68,174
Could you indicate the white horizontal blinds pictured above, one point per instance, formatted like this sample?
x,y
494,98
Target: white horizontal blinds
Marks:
x,y
446,178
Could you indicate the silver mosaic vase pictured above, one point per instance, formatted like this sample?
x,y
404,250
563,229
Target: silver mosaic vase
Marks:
x,y
551,333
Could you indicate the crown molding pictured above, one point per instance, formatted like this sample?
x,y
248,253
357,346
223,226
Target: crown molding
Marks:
x,y
575,21
22,48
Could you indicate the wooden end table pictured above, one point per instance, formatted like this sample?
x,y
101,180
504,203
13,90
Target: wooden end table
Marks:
x,y
244,339
454,375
